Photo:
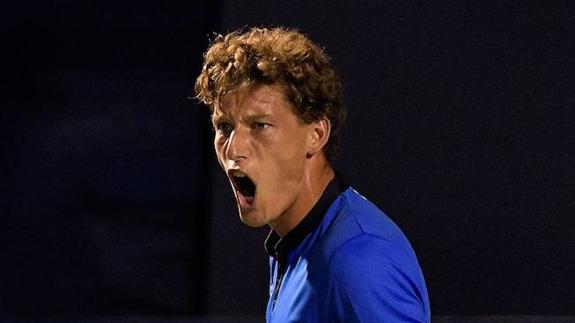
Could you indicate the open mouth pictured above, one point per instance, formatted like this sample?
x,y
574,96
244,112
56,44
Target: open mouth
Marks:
x,y
245,188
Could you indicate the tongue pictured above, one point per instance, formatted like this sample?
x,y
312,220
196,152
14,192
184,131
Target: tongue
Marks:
x,y
245,201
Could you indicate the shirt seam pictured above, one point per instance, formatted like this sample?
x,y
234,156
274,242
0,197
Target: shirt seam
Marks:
x,y
363,233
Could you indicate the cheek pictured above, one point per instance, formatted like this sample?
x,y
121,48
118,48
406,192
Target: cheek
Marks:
x,y
289,157
293,147
219,147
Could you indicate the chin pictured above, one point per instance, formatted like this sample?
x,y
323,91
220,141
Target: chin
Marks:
x,y
251,222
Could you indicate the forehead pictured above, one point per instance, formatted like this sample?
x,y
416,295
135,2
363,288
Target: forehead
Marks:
x,y
269,99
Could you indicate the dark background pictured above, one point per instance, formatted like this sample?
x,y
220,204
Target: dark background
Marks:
x,y
460,127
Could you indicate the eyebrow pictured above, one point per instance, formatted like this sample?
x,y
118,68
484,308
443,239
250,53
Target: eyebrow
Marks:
x,y
249,118
254,117
219,117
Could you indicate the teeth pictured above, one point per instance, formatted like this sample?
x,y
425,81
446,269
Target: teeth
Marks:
x,y
237,173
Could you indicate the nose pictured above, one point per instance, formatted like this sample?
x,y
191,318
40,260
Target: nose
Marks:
x,y
237,145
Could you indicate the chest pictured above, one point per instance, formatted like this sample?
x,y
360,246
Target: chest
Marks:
x,y
299,295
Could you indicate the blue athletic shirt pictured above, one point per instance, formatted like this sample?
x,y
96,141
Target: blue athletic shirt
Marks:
x,y
345,262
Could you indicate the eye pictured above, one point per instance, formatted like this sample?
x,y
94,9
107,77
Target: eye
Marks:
x,y
224,128
259,126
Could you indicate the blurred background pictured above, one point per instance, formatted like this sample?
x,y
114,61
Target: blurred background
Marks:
x,y
460,127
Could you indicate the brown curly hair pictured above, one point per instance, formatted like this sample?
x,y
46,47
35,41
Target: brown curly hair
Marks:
x,y
275,56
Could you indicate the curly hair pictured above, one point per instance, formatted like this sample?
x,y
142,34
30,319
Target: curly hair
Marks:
x,y
275,56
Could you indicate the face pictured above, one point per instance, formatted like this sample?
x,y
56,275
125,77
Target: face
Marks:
x,y
261,144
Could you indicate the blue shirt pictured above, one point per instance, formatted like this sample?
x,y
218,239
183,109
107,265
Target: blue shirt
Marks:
x,y
353,265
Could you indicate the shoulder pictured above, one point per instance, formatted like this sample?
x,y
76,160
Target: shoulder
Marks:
x,y
372,268
368,236
367,257
357,216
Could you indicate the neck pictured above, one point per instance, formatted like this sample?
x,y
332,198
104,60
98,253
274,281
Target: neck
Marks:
x,y
315,181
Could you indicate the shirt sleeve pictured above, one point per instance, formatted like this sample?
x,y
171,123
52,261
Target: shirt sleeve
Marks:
x,y
374,281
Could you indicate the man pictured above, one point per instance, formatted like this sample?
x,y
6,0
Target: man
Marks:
x,y
277,112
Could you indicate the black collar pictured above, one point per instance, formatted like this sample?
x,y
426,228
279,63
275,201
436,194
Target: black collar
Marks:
x,y
279,248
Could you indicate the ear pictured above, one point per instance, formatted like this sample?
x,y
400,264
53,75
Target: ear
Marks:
x,y
318,136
